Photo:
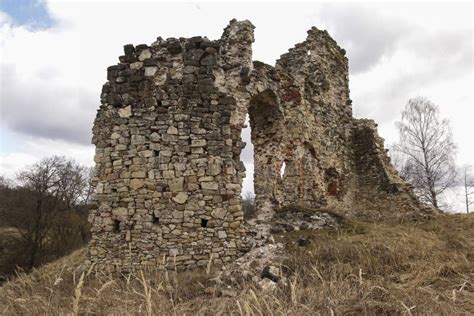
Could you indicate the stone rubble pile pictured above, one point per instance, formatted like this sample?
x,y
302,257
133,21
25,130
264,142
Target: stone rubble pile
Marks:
x,y
294,219
263,265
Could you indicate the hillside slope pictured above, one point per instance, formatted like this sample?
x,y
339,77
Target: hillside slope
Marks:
x,y
361,268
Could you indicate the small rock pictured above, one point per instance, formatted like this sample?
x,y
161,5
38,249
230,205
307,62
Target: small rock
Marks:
x,y
271,272
267,285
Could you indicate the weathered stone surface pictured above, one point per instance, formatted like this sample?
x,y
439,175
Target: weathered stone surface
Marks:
x,y
209,185
181,198
136,65
136,184
267,285
219,213
144,55
121,211
168,144
172,130
176,184
125,112
150,71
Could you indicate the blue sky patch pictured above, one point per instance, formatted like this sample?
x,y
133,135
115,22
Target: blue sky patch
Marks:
x,y
27,12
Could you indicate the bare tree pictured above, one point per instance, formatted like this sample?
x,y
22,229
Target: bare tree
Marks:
x,y
426,149
44,205
468,183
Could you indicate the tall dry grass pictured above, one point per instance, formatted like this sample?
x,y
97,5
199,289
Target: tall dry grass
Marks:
x,y
363,268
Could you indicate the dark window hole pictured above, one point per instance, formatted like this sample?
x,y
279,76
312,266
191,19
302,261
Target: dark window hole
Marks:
x,y
156,220
116,226
204,222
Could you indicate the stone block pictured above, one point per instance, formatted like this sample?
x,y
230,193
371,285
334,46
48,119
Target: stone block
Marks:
x,y
181,198
136,184
138,174
120,211
198,143
144,55
219,213
150,71
209,186
176,185
172,130
221,234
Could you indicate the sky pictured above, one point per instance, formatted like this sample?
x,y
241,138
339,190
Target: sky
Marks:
x,y
54,55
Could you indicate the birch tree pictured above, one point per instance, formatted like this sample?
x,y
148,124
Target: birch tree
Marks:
x,y
427,150
468,184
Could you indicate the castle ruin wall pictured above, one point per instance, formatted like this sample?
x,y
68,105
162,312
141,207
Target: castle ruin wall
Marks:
x,y
168,142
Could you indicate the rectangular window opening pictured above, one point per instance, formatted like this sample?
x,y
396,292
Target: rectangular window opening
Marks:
x,y
116,226
203,222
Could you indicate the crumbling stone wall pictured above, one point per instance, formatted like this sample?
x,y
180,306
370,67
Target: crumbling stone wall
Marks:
x,y
167,154
168,142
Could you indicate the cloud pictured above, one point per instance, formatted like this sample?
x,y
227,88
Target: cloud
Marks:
x,y
366,33
34,149
34,106
42,90
418,62
51,77
30,13
433,63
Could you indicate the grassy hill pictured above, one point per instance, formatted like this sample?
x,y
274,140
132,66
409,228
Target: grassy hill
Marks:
x,y
361,268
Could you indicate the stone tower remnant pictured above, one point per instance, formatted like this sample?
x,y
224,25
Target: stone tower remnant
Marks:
x,y
168,143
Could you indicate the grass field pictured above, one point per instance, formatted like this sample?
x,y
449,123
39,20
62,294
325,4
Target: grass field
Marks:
x,y
360,269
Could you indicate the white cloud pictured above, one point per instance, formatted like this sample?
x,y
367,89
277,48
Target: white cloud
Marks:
x,y
51,78
33,149
367,33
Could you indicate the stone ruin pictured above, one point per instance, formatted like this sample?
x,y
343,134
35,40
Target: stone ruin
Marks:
x,y
168,141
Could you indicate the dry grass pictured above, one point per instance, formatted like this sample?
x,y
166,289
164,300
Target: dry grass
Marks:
x,y
363,268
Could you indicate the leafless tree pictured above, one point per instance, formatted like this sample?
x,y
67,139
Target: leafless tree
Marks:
x,y
43,202
468,183
426,150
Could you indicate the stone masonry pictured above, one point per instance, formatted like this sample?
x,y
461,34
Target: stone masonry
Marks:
x,y
168,142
